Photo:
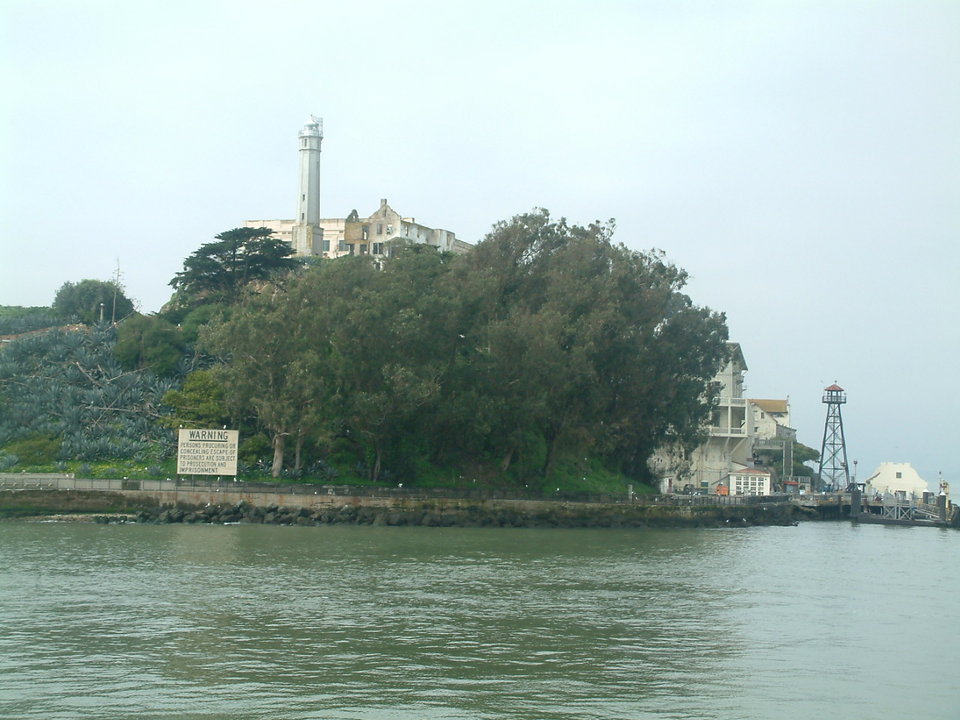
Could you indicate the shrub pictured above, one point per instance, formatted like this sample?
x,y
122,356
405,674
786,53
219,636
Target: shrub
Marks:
x,y
35,449
255,448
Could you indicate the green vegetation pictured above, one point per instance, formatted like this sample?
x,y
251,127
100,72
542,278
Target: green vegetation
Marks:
x,y
15,319
34,449
68,385
801,455
198,403
219,271
546,343
546,357
147,342
92,301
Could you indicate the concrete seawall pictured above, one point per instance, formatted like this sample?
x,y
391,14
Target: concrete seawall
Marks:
x,y
225,506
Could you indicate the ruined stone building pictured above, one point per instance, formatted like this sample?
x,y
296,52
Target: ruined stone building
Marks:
x,y
377,234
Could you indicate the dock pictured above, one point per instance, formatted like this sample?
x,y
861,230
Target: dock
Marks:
x,y
883,510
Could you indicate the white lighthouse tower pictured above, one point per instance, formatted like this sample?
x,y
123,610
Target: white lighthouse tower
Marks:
x,y
307,233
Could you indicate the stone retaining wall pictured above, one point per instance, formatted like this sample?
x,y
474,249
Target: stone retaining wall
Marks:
x,y
447,513
278,508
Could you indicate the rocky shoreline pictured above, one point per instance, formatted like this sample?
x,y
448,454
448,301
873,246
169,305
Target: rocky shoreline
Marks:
x,y
476,515
114,508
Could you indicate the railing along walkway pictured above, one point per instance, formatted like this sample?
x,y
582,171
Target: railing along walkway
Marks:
x,y
25,481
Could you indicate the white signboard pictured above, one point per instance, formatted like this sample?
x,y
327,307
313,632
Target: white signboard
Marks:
x,y
207,452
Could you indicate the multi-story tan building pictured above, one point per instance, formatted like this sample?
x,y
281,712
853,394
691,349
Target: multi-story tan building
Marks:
x,y
729,446
377,234
738,426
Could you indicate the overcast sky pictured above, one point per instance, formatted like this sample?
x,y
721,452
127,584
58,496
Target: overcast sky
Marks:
x,y
801,160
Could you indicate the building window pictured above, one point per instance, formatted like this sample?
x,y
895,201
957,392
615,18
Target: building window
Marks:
x,y
379,228
363,249
378,248
342,246
326,246
366,231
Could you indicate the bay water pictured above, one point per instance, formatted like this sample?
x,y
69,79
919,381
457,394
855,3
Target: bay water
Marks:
x,y
822,620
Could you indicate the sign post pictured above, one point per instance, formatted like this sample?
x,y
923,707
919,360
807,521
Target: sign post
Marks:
x,y
207,452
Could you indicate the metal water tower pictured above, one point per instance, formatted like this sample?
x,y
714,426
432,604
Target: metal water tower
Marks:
x,y
834,471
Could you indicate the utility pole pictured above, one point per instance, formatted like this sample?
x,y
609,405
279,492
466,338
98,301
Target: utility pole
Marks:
x,y
116,289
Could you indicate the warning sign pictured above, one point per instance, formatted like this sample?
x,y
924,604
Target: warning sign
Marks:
x,y
207,452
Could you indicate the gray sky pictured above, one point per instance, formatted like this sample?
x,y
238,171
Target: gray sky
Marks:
x,y
800,159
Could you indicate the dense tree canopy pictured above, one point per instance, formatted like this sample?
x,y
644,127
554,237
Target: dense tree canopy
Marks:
x,y
147,342
199,402
92,301
592,344
548,351
220,270
545,345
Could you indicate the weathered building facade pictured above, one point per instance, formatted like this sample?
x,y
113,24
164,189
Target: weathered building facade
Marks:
x,y
378,234
738,427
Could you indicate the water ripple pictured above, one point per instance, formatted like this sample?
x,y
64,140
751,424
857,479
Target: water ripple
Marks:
x,y
370,623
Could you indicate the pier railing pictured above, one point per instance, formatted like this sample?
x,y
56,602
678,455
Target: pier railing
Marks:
x,y
16,481
696,500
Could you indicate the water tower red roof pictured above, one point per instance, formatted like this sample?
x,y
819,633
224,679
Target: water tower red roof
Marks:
x,y
834,388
